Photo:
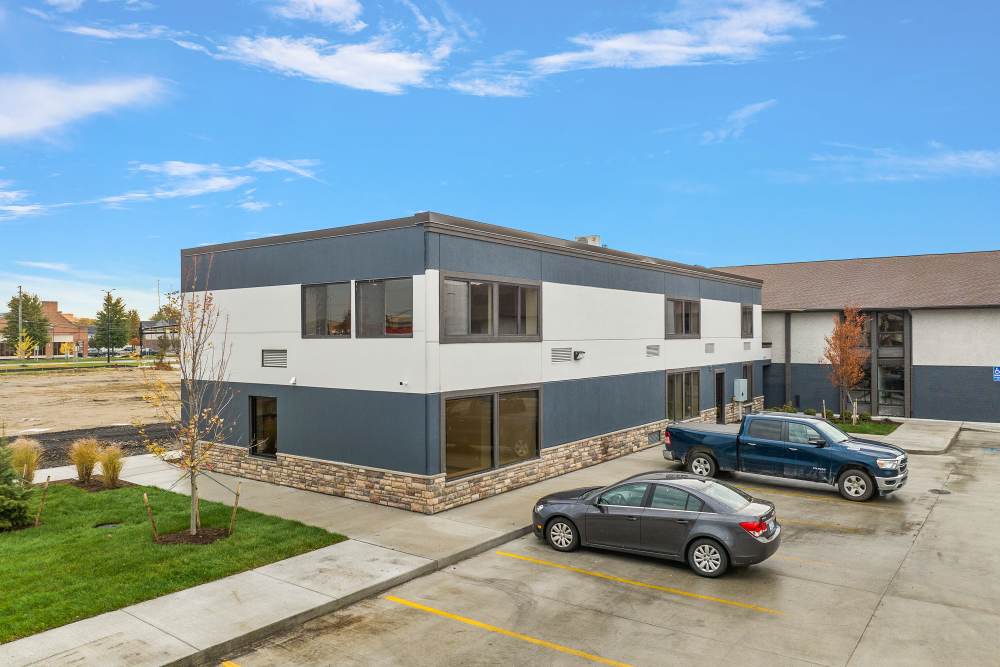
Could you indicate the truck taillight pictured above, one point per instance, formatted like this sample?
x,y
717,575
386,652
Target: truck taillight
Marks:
x,y
755,528
666,439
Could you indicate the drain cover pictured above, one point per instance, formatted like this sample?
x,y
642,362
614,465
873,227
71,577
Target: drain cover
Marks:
x,y
107,525
941,492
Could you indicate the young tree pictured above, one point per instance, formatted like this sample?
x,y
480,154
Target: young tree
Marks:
x,y
194,410
25,346
167,312
134,325
67,349
33,320
111,327
846,352
13,493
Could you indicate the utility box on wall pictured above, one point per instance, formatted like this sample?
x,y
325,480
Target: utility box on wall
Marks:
x,y
740,390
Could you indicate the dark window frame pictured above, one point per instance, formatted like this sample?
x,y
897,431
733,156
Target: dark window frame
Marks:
x,y
668,307
356,322
744,310
683,373
494,282
253,427
495,393
350,312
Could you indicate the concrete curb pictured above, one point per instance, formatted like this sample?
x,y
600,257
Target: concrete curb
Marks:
x,y
215,653
936,452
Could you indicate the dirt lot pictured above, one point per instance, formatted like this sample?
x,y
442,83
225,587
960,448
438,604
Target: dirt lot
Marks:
x,y
97,403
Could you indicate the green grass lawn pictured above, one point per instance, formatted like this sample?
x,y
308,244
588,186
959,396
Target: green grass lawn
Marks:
x,y
67,570
867,428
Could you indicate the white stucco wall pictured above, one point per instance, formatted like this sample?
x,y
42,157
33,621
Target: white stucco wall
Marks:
x,y
809,331
956,337
774,332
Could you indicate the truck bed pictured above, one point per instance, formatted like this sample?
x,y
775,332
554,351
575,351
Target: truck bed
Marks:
x,y
709,427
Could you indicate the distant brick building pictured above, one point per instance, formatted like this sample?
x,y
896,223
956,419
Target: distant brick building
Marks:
x,y
63,328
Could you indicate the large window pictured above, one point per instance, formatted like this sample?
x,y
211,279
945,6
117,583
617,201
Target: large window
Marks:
x,y
385,308
683,319
746,321
683,392
264,425
485,431
477,310
890,334
326,310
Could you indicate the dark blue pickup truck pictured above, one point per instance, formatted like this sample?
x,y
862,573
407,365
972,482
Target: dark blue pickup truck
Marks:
x,y
792,446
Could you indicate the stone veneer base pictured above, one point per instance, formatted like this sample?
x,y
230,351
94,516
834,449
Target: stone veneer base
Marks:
x,y
430,493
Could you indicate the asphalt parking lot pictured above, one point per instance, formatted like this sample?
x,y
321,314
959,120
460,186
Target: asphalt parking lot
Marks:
x,y
910,579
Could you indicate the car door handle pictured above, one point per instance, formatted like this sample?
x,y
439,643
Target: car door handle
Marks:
x,y
750,444
793,449
683,520
632,518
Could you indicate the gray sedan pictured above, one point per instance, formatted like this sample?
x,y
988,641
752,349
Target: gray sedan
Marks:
x,y
677,516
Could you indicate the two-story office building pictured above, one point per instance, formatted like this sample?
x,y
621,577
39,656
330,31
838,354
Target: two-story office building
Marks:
x,y
429,361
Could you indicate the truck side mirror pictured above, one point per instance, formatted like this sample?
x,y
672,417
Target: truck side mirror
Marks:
x,y
818,442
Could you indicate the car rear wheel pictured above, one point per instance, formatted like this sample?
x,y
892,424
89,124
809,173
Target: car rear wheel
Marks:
x,y
707,558
562,535
856,485
702,464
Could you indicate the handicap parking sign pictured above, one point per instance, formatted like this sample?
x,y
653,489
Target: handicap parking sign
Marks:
x,y
996,373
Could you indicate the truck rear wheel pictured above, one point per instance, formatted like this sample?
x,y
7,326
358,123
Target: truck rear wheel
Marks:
x,y
702,464
856,485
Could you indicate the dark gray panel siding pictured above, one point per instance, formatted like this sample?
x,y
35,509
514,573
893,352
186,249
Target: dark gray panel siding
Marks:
x,y
577,409
383,254
811,386
456,253
774,385
965,393
370,428
732,372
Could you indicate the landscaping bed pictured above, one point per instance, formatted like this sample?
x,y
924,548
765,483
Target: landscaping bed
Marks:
x,y
69,569
867,427
55,445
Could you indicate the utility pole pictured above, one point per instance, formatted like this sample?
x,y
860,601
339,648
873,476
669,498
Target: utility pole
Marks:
x,y
20,326
107,340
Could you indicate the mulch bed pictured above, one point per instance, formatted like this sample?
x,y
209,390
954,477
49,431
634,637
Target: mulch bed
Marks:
x,y
94,485
204,536
55,444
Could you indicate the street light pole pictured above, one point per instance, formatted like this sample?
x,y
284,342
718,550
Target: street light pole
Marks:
x,y
107,340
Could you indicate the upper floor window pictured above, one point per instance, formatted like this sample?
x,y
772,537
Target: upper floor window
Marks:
x,y
746,321
683,319
385,308
326,310
474,309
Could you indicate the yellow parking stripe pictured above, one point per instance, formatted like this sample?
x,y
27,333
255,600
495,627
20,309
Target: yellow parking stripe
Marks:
x,y
228,663
640,584
507,633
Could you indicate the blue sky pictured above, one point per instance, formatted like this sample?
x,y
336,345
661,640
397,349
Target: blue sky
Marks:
x,y
707,132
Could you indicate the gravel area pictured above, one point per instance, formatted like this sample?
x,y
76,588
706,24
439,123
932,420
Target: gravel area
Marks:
x,y
55,445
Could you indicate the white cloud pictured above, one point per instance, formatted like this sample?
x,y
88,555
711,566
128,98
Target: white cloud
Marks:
x,y
8,196
254,206
341,13
129,31
859,163
32,107
11,211
372,65
177,168
65,5
697,33
496,77
736,122
297,167
46,266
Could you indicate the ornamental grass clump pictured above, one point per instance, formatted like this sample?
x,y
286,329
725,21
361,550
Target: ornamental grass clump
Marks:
x,y
111,465
83,453
24,456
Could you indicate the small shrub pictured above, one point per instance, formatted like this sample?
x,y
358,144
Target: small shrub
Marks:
x,y
24,456
809,411
83,453
111,465
828,415
847,416
788,407
866,416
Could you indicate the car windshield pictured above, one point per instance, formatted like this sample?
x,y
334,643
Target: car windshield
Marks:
x,y
730,498
832,433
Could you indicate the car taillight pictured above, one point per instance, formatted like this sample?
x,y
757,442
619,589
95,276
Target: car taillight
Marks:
x,y
666,439
755,528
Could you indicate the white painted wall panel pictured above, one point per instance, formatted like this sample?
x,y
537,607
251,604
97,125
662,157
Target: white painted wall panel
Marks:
x,y
956,337
809,331
774,331
572,312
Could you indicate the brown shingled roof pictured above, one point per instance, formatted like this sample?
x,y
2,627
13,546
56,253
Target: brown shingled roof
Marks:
x,y
915,281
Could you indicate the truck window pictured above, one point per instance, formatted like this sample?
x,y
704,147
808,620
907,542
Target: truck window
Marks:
x,y
801,434
768,429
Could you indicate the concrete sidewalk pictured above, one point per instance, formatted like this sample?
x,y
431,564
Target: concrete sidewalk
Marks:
x,y
921,436
388,547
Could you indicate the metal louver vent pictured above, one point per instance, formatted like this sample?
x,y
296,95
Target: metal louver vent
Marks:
x,y
560,354
746,346
709,348
652,350
274,358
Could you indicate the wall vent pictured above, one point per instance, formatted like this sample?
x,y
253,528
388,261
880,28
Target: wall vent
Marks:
x,y
274,358
709,348
560,354
746,346
652,350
